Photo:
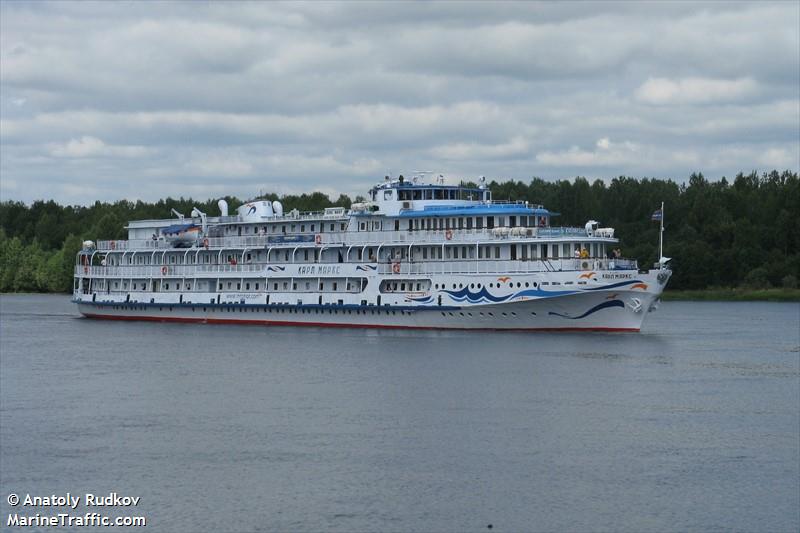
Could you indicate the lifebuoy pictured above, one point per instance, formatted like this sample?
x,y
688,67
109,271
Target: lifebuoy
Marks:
x,y
318,238
448,234
205,243
164,271
585,265
113,245
396,268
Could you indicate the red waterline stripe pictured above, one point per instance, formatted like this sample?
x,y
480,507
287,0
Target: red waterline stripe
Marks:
x,y
333,325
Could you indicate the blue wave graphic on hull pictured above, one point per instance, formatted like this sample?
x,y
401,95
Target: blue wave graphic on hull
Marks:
x,y
476,297
366,268
596,308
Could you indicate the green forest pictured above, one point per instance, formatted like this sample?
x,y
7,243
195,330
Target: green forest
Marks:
x,y
721,234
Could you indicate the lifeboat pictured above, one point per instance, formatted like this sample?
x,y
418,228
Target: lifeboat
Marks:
x,y
182,235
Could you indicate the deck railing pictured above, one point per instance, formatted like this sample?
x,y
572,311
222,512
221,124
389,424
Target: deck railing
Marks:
x,y
356,238
467,266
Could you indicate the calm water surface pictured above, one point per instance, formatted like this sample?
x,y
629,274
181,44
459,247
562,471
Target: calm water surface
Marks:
x,y
691,425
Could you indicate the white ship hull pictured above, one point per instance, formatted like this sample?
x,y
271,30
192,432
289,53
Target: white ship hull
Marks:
x,y
601,310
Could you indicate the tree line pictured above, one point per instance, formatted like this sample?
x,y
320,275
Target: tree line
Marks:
x,y
739,233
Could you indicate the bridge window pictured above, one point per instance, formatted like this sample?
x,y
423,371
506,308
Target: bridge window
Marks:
x,y
428,194
387,195
417,194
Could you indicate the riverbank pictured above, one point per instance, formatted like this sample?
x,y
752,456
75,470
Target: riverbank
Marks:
x,y
734,295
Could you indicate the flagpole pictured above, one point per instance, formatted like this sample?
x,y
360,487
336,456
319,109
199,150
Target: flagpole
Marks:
x,y
661,238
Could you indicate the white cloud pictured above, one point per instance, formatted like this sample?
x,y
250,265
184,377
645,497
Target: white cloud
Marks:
x,y
607,154
779,158
88,146
695,90
517,146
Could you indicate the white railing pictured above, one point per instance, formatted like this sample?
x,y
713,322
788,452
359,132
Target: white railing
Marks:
x,y
468,266
355,238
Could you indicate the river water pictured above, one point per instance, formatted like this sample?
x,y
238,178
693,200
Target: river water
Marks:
x,y
692,424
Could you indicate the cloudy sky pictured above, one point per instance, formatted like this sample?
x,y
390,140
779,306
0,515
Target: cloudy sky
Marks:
x,y
103,101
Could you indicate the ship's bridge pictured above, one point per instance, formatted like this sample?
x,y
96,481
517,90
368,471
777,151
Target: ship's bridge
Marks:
x,y
413,199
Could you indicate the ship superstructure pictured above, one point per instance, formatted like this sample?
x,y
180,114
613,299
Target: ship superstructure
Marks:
x,y
414,255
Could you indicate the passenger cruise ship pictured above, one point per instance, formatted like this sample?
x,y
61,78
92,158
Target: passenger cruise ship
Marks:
x,y
415,255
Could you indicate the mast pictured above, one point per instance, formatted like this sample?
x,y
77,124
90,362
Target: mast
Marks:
x,y
661,238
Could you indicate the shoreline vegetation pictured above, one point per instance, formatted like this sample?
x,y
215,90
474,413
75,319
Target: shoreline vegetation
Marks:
x,y
732,241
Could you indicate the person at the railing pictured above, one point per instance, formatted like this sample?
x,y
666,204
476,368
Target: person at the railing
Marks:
x,y
577,254
584,253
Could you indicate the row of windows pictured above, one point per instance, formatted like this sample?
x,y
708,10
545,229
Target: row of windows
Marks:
x,y
516,252
405,195
253,229
488,313
457,223
267,309
331,286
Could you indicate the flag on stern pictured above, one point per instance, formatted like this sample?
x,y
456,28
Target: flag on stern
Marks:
x,y
657,215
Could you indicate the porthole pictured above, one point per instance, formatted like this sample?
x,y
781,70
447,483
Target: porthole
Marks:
x,y
527,284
